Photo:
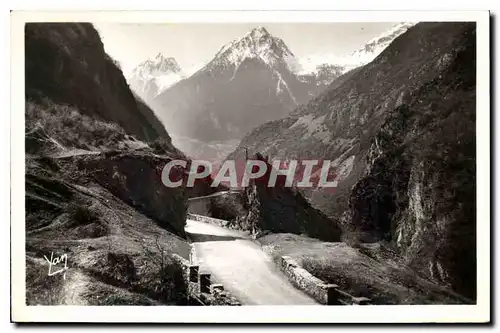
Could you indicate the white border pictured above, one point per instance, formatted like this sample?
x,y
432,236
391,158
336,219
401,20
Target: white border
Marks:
x,y
267,314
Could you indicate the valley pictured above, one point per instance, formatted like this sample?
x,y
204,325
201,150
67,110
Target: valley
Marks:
x,y
396,119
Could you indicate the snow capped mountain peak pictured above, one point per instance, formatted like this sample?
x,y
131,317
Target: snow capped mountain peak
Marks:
x,y
167,64
154,75
363,55
255,44
376,45
156,66
258,32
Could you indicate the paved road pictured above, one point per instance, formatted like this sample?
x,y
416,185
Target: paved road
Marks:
x,y
201,228
244,269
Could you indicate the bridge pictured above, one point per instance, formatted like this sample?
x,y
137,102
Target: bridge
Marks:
x,y
201,205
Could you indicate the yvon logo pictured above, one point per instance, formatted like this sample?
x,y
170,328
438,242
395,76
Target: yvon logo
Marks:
x,y
57,264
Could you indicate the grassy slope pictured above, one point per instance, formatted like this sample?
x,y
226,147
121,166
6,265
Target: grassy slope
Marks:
x,y
115,254
361,272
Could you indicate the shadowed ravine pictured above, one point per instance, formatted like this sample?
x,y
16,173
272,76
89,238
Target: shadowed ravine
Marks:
x,y
245,270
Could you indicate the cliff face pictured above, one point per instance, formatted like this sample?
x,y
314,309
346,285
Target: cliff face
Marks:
x,y
400,133
66,63
281,209
418,188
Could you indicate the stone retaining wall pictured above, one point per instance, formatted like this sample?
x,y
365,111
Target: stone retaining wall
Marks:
x,y
324,293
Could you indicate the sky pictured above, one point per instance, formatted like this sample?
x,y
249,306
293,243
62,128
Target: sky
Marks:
x,y
194,44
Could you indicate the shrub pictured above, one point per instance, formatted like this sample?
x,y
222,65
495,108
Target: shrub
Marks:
x,y
82,214
67,126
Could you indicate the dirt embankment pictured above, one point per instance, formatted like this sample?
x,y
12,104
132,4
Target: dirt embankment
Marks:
x,y
116,254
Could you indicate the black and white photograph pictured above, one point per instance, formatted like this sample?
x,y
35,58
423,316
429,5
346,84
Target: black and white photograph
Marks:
x,y
250,164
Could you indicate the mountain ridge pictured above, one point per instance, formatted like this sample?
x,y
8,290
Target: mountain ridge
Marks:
x,y
358,57
93,191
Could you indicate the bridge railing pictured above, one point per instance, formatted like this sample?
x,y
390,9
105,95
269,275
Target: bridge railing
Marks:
x,y
207,219
215,194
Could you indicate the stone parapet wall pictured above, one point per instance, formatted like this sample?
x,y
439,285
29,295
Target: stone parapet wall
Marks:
x,y
324,293
200,287
206,219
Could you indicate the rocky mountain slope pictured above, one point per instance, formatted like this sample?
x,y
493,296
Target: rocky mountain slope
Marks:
x,y
371,49
400,131
153,76
249,81
94,156
60,66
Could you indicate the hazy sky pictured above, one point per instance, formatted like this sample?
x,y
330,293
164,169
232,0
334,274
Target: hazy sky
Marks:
x,y
194,44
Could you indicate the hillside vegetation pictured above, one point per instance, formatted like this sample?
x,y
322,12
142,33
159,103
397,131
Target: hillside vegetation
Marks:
x,y
94,155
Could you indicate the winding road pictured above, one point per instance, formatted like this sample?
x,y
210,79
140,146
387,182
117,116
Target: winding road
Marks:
x,y
241,266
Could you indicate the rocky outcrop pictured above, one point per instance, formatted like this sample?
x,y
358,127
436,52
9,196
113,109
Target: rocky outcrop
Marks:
x,y
229,206
281,209
136,179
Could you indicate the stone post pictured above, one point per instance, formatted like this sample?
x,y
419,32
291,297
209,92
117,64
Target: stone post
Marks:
x,y
193,273
361,301
205,283
216,287
332,294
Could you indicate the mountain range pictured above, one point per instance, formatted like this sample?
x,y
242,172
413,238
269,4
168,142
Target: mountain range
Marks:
x,y
251,80
361,56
